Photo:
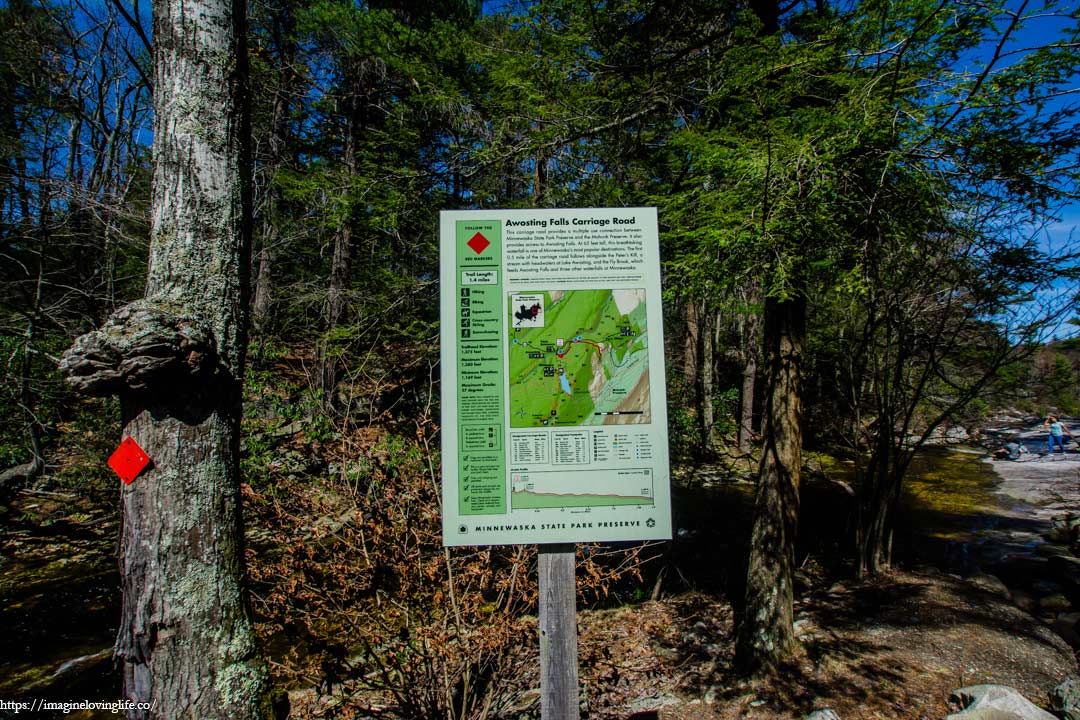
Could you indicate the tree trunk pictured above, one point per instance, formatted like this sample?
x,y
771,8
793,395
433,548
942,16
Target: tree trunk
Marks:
x,y
539,180
340,266
264,278
879,496
693,345
33,428
746,402
750,348
766,632
880,490
706,371
283,29
186,645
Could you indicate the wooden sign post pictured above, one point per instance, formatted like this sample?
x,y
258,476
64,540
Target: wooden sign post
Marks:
x,y
558,633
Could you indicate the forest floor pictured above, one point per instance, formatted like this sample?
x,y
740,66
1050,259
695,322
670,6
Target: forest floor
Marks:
x,y
892,647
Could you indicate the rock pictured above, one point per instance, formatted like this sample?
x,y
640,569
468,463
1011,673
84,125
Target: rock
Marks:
x,y
1065,569
15,477
287,430
650,706
20,473
1056,603
1045,587
989,583
1065,699
956,435
1025,601
994,702
826,714
259,539
1050,550
1066,631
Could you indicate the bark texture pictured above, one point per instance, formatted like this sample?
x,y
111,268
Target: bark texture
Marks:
x,y
766,632
176,358
748,327
706,373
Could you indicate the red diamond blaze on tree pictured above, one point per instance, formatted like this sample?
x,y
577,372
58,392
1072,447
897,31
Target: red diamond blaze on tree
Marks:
x,y
478,243
129,460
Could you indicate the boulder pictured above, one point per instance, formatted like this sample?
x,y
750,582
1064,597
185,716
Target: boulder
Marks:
x,y
13,478
1065,569
957,435
1050,550
1056,603
1045,587
1025,601
1065,699
826,714
1066,630
989,583
994,702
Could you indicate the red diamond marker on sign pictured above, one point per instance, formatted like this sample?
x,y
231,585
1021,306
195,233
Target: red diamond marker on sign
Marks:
x,y
129,460
478,243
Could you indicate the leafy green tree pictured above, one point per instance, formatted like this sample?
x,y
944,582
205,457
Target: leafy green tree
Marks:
x,y
834,154
1058,376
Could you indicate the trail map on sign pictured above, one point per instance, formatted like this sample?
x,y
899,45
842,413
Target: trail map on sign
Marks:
x,y
578,357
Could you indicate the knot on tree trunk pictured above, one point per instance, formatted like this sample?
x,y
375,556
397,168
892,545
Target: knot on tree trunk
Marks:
x,y
144,344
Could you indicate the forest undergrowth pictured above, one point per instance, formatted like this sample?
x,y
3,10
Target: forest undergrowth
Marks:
x,y
359,606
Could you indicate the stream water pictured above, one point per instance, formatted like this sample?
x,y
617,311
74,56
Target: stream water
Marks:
x,y
966,514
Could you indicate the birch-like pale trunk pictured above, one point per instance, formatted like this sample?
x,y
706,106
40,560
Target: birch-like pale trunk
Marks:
x,y
186,645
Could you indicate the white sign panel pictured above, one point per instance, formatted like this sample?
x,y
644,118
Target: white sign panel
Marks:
x,y
554,421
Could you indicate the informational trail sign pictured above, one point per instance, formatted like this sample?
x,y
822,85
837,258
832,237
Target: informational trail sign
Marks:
x,y
554,421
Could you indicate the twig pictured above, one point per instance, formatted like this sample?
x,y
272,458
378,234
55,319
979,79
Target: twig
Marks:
x,y
66,496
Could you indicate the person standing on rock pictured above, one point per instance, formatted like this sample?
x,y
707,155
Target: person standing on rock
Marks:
x,y
1058,432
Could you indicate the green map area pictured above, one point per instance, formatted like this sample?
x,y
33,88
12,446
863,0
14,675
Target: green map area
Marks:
x,y
578,357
